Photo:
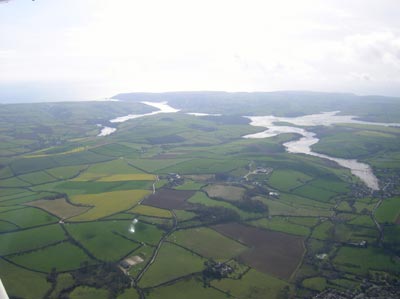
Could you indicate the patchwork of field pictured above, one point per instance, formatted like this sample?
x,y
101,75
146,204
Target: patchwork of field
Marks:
x,y
253,285
245,219
172,262
271,252
43,260
59,207
13,277
282,224
150,211
169,199
188,288
107,203
287,180
111,240
30,239
225,192
208,243
389,211
362,260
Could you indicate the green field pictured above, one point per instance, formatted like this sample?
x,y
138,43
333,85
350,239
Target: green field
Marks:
x,y
107,203
203,199
111,240
151,211
389,210
73,215
362,260
315,283
28,217
50,257
64,281
281,224
287,180
89,293
189,288
13,278
207,243
172,262
253,285
20,241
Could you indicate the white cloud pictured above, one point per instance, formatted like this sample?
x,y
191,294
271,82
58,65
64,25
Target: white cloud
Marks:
x,y
127,45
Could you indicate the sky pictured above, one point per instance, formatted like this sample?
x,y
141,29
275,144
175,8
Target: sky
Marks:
x,y
92,49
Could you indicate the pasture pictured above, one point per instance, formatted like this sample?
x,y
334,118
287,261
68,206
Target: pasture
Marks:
x,y
226,192
84,292
281,224
59,207
107,203
207,243
389,210
34,284
286,180
35,238
362,260
62,257
111,240
172,262
253,285
188,288
150,211
28,217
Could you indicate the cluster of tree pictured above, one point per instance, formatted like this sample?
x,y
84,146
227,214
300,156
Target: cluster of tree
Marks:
x,y
222,176
251,205
216,214
55,196
215,270
107,276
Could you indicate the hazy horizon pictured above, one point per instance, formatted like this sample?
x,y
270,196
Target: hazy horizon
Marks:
x,y
81,50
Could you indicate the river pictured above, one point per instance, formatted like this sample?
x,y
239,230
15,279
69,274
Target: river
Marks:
x,y
300,146
303,145
162,107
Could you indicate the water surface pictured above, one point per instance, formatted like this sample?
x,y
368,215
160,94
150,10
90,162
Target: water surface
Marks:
x,y
303,145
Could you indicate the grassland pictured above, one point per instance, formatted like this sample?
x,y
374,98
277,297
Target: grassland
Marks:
x,y
151,211
286,180
190,185
155,165
66,172
189,288
127,177
253,285
315,283
59,207
53,167
23,283
389,210
107,203
89,293
225,192
62,257
28,217
111,240
35,238
64,281
203,199
362,260
208,243
281,224
129,294
172,262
